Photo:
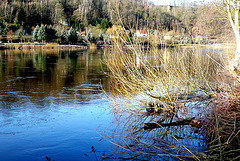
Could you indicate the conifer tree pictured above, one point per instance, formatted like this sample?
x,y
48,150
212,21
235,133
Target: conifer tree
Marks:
x,y
63,36
42,33
51,33
79,37
88,36
101,37
20,34
35,32
72,36
3,27
91,38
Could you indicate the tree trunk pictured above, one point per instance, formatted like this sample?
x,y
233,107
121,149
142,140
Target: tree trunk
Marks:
x,y
5,11
237,34
235,26
237,53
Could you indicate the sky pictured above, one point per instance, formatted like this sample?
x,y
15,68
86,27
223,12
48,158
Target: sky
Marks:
x,y
177,2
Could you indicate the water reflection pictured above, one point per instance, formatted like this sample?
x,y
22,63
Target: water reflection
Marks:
x,y
37,75
135,142
51,104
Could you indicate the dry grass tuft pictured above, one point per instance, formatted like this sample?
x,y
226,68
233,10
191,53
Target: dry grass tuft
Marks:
x,y
162,74
222,125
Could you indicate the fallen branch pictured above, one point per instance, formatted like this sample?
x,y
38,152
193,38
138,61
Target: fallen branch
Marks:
x,y
148,126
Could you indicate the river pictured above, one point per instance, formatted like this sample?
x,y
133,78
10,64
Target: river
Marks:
x,y
52,105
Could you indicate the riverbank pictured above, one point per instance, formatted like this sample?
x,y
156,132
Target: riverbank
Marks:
x,y
21,46
86,46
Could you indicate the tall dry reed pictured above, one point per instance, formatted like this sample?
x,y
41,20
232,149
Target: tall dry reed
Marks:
x,y
168,79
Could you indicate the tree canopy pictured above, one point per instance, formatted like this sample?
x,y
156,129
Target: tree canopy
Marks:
x,y
188,19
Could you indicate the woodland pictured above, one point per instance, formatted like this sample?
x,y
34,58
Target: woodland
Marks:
x,y
188,19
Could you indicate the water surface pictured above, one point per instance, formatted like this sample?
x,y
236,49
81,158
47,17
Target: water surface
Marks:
x,y
51,104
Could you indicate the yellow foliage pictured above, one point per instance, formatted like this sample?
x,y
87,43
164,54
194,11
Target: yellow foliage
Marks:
x,y
117,32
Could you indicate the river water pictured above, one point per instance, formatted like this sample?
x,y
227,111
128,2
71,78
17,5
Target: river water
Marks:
x,y
52,104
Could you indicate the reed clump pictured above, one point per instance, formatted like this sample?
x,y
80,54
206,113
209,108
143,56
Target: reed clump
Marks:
x,y
162,74
222,125
175,81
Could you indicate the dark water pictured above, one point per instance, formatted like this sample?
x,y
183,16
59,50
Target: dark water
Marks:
x,y
52,105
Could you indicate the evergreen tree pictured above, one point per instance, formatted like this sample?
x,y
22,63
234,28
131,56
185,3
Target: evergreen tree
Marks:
x,y
79,38
4,27
101,37
20,34
35,32
51,33
91,38
88,37
15,25
63,36
105,24
72,36
42,33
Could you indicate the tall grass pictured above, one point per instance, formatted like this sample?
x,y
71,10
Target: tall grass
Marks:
x,y
163,74
222,125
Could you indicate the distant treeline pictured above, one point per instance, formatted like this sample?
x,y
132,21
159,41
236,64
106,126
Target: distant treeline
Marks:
x,y
189,19
137,14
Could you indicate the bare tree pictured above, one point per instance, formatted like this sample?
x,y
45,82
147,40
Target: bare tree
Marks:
x,y
233,7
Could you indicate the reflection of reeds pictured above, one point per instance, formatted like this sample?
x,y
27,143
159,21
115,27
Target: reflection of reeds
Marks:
x,y
173,143
92,48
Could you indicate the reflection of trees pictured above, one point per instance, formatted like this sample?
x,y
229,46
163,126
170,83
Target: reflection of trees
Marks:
x,y
39,62
63,75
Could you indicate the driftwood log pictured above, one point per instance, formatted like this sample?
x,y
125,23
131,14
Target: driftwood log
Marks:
x,y
148,126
